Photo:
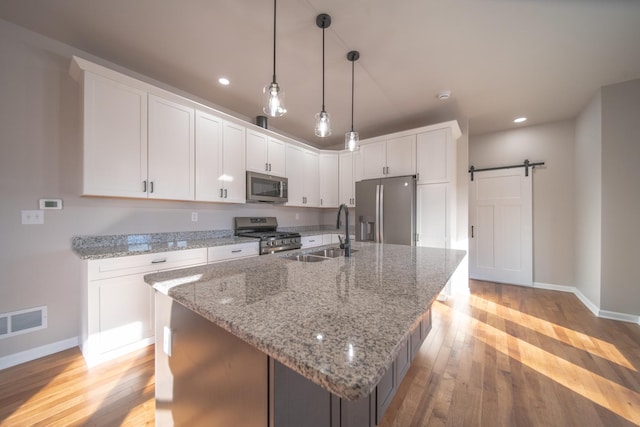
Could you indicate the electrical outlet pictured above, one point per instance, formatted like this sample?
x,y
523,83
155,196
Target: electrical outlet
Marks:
x,y
194,216
32,217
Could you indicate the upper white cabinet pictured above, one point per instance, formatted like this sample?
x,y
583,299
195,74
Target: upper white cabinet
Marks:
x,y
434,220
304,179
329,182
265,154
220,160
171,150
115,138
350,165
436,154
392,157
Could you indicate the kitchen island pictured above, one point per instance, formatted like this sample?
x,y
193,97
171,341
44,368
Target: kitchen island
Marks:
x,y
287,339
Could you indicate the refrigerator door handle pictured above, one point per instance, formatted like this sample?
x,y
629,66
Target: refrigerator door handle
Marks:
x,y
377,224
381,209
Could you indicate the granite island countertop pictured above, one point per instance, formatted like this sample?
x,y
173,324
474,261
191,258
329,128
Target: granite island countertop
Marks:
x,y
339,322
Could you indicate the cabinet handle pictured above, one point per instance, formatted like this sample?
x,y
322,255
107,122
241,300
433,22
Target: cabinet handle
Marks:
x,y
312,241
266,167
221,196
236,251
225,193
269,167
158,261
151,186
320,201
144,186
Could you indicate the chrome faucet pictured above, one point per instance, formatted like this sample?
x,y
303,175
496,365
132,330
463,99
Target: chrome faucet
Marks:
x,y
346,243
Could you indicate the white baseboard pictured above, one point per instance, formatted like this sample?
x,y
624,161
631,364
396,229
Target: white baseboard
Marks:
x,y
36,353
587,303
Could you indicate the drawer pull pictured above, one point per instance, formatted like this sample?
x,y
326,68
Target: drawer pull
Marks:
x,y
236,251
158,261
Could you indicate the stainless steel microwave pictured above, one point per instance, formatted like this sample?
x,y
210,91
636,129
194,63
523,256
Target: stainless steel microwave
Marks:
x,y
263,188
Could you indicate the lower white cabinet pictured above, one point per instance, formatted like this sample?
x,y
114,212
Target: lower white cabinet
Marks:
x,y
118,305
311,241
229,252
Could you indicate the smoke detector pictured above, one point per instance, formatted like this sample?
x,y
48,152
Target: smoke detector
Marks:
x,y
445,94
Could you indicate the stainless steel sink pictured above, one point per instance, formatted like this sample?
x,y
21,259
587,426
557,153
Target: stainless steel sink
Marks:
x,y
305,258
330,252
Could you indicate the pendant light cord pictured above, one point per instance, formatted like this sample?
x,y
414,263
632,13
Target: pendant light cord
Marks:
x,y
274,41
322,68
352,90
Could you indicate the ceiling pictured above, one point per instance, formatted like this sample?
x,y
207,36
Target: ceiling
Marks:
x,y
501,59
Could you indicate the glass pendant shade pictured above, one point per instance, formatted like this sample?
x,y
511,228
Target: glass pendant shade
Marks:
x,y
351,140
273,100
323,125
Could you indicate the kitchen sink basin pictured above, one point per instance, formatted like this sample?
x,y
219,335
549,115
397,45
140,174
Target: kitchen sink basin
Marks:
x,y
305,258
330,252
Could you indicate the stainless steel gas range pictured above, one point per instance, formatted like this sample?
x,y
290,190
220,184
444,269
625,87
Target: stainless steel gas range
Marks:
x,y
265,229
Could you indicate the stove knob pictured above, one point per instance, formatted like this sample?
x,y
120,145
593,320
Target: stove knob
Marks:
x,y
285,241
268,243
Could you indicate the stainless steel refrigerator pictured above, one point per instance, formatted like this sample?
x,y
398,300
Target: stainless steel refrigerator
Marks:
x,y
386,210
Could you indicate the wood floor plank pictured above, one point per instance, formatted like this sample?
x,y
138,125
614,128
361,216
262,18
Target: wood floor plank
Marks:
x,y
501,356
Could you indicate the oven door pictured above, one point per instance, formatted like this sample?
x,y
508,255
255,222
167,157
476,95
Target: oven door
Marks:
x,y
263,188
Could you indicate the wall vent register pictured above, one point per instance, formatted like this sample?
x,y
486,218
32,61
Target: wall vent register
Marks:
x,y
23,321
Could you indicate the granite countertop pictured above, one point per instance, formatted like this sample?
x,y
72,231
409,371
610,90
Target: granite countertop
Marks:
x,y
340,322
113,246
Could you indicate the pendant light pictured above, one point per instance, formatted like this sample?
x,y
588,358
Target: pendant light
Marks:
x,y
352,138
273,96
323,126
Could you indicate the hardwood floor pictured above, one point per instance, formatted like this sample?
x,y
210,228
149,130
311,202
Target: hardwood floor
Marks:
x,y
503,356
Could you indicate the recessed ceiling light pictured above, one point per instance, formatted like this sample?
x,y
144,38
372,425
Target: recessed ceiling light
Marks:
x,y
520,120
445,94
223,81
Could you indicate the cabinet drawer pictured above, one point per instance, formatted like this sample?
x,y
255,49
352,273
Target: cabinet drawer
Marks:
x,y
147,263
227,252
311,241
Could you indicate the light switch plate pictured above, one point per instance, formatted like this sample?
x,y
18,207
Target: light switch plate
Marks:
x,y
32,217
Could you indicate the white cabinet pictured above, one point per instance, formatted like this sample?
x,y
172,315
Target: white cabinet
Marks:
x,y
436,156
220,160
229,252
350,165
265,154
303,174
392,157
312,241
115,138
329,181
118,305
434,219
171,150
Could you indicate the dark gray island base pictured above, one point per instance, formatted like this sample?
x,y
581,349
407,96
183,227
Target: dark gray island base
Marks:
x,y
275,342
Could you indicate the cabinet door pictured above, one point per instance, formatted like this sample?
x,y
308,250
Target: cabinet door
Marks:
x,y
115,139
346,191
374,159
434,152
171,150
295,174
256,149
432,215
401,156
276,157
311,179
329,181
125,311
208,157
233,178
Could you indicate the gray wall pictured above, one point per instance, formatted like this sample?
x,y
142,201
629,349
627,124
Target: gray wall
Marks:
x,y
621,197
553,201
40,156
588,199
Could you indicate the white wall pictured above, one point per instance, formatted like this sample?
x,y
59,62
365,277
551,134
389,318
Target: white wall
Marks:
x,y
40,154
621,198
553,201
588,200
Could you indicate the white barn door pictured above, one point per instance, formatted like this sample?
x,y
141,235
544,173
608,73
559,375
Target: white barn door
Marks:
x,y
500,214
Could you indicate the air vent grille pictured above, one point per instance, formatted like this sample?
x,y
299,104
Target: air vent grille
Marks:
x,y
23,321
